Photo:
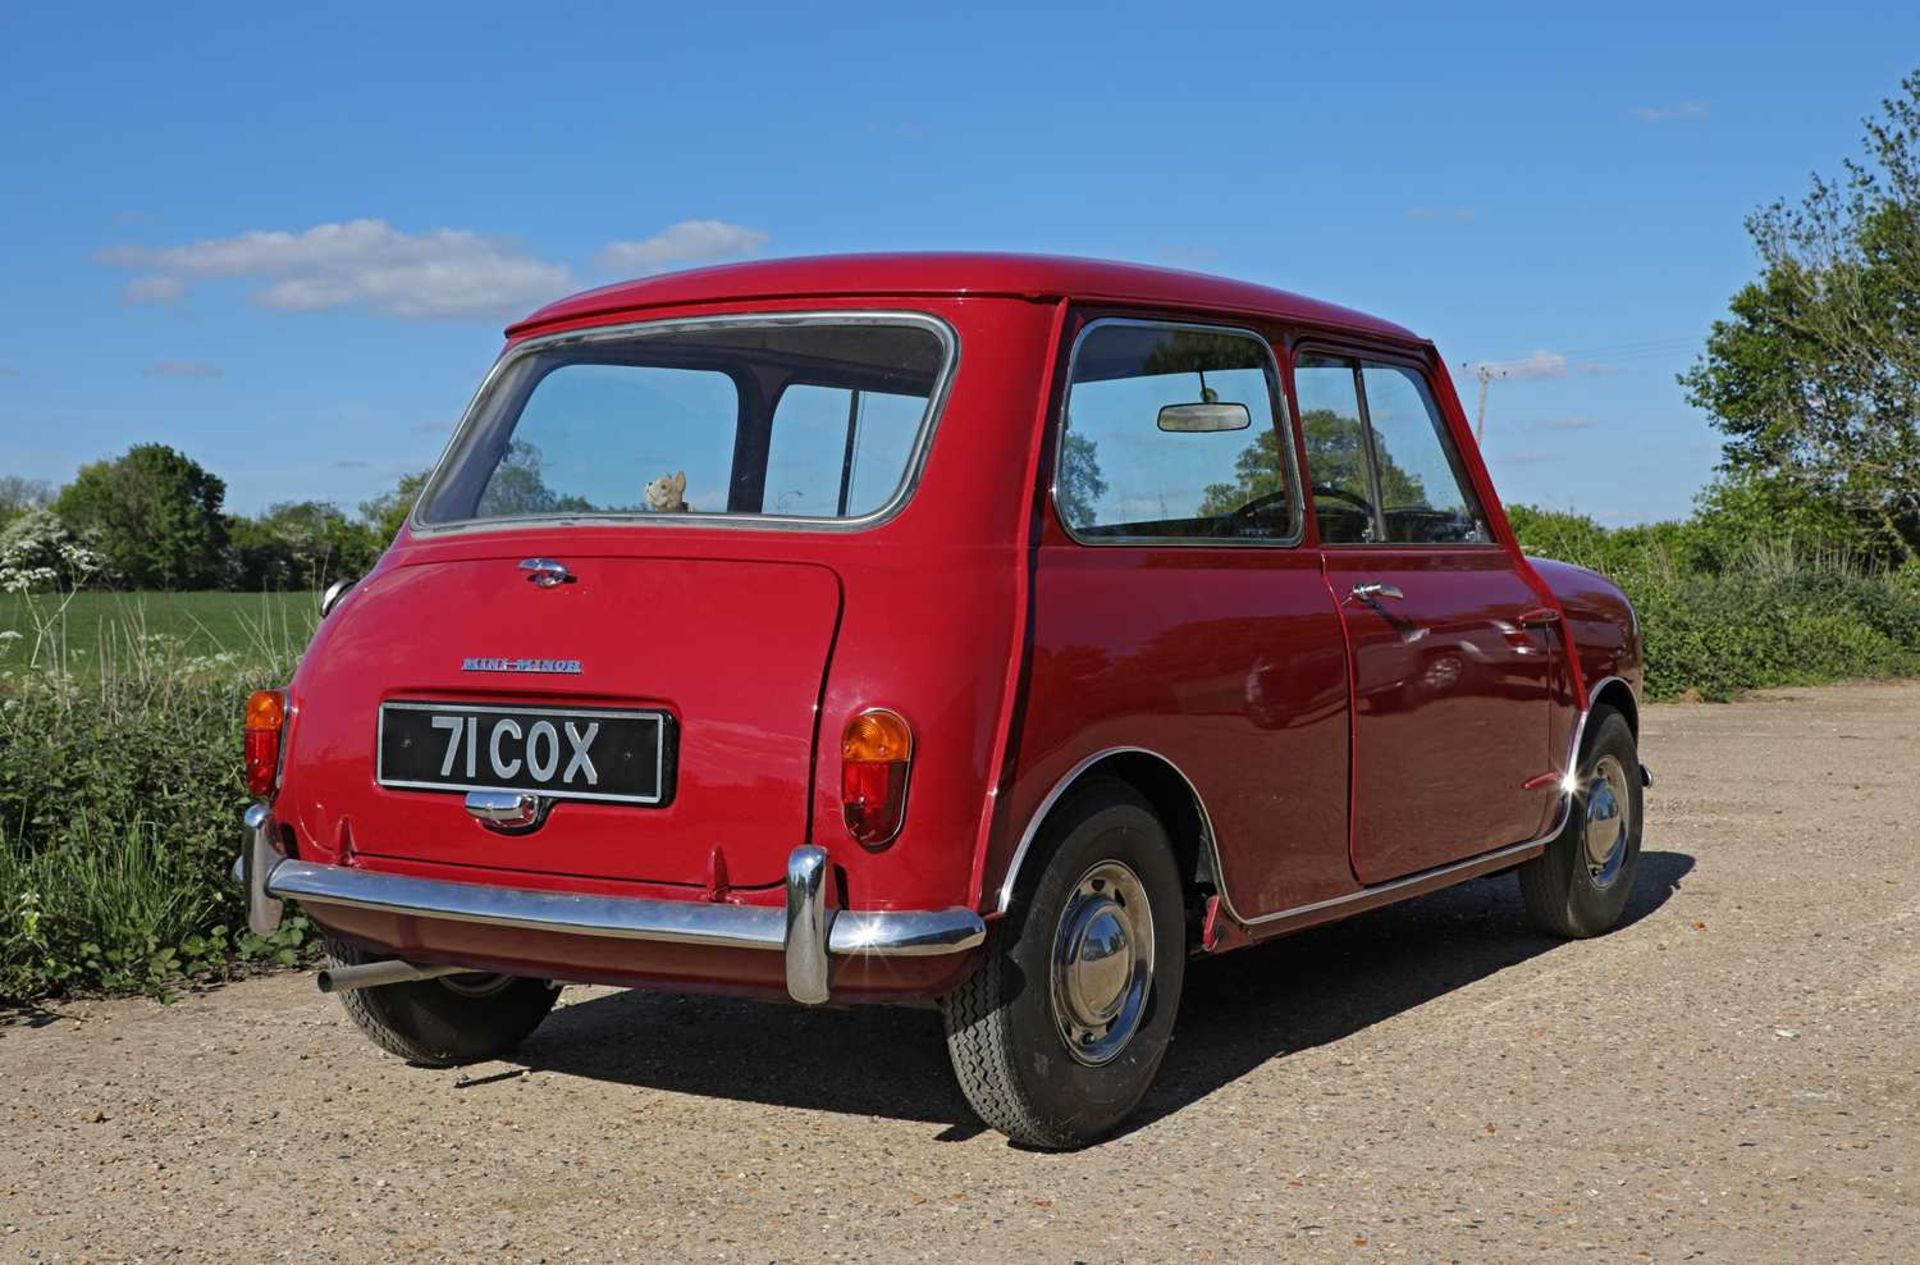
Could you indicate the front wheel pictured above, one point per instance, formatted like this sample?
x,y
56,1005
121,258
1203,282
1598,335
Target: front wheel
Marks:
x,y
1058,1035
1579,886
446,1021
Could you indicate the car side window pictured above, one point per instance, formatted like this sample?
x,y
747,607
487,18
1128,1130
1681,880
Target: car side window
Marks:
x,y
1170,434
1424,498
1328,389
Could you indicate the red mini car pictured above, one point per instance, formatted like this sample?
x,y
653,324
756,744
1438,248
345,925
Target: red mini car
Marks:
x,y
994,630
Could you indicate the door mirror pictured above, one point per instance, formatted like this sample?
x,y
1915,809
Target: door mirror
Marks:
x,y
1204,419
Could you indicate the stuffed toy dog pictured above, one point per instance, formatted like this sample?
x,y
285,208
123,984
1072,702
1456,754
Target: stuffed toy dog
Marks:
x,y
667,494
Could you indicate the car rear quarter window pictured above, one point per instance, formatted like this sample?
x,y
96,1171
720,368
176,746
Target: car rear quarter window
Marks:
x,y
1169,435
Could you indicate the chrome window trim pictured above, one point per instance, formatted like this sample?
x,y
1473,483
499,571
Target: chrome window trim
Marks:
x,y
1517,851
1282,422
457,444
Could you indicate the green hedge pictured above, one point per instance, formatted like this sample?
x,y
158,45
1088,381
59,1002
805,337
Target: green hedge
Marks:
x,y
120,801
1722,615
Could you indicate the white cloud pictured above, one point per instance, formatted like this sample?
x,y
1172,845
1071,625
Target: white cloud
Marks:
x,y
154,288
365,263
688,242
1668,113
183,369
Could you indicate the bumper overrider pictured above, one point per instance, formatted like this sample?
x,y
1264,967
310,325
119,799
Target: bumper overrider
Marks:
x,y
807,931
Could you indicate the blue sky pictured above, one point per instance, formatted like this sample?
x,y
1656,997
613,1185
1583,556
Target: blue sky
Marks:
x,y
284,240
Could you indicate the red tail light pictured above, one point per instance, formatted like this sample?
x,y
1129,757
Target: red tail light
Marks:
x,y
266,716
876,752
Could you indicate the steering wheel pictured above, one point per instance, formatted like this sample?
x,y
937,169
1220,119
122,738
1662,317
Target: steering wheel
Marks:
x,y
1252,508
1360,503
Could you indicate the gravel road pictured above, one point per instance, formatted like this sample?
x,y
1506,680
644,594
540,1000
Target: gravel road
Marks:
x,y
1733,1076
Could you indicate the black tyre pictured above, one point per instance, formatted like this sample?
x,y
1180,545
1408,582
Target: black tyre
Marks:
x,y
1580,885
1059,1033
447,1021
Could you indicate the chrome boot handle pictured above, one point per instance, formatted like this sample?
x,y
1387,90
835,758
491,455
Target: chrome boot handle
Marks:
x,y
546,572
509,812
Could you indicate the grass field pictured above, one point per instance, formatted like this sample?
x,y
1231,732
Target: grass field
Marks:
x,y
90,632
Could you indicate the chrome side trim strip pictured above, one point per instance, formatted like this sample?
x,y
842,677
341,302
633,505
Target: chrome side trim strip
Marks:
x,y
1517,852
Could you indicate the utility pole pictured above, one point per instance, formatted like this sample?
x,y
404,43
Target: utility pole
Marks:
x,y
1484,372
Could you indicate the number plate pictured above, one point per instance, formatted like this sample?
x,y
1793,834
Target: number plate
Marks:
x,y
564,753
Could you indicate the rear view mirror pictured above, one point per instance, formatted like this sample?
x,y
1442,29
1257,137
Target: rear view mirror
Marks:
x,y
1204,419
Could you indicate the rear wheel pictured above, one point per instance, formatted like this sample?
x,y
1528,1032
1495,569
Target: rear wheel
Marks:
x,y
447,1021
1058,1035
1579,886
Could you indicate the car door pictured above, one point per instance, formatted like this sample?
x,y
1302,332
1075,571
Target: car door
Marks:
x,y
1177,610
1449,647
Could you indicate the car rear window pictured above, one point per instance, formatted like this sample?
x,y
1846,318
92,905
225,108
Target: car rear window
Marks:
x,y
810,418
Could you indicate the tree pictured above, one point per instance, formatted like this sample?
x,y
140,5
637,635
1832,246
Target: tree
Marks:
x,y
386,513
18,495
301,545
1814,377
1079,486
1336,456
517,487
153,515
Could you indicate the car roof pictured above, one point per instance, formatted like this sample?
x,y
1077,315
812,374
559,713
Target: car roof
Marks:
x,y
1035,277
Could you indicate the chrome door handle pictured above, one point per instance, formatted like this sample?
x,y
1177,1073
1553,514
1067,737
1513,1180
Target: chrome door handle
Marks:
x,y
545,572
1374,592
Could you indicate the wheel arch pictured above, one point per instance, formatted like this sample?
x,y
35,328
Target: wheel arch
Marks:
x,y
1168,791
1614,692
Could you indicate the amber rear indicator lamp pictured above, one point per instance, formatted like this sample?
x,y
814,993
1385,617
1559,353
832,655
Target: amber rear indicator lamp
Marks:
x,y
876,754
266,717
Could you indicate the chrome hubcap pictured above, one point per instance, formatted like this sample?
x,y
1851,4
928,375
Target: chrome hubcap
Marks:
x,y
1102,963
1607,824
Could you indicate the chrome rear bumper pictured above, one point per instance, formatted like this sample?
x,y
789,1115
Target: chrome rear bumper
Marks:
x,y
807,931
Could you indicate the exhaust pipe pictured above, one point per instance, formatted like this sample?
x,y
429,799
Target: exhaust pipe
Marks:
x,y
341,979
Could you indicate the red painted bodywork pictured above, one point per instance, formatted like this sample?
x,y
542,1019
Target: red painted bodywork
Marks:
x,y
1015,653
